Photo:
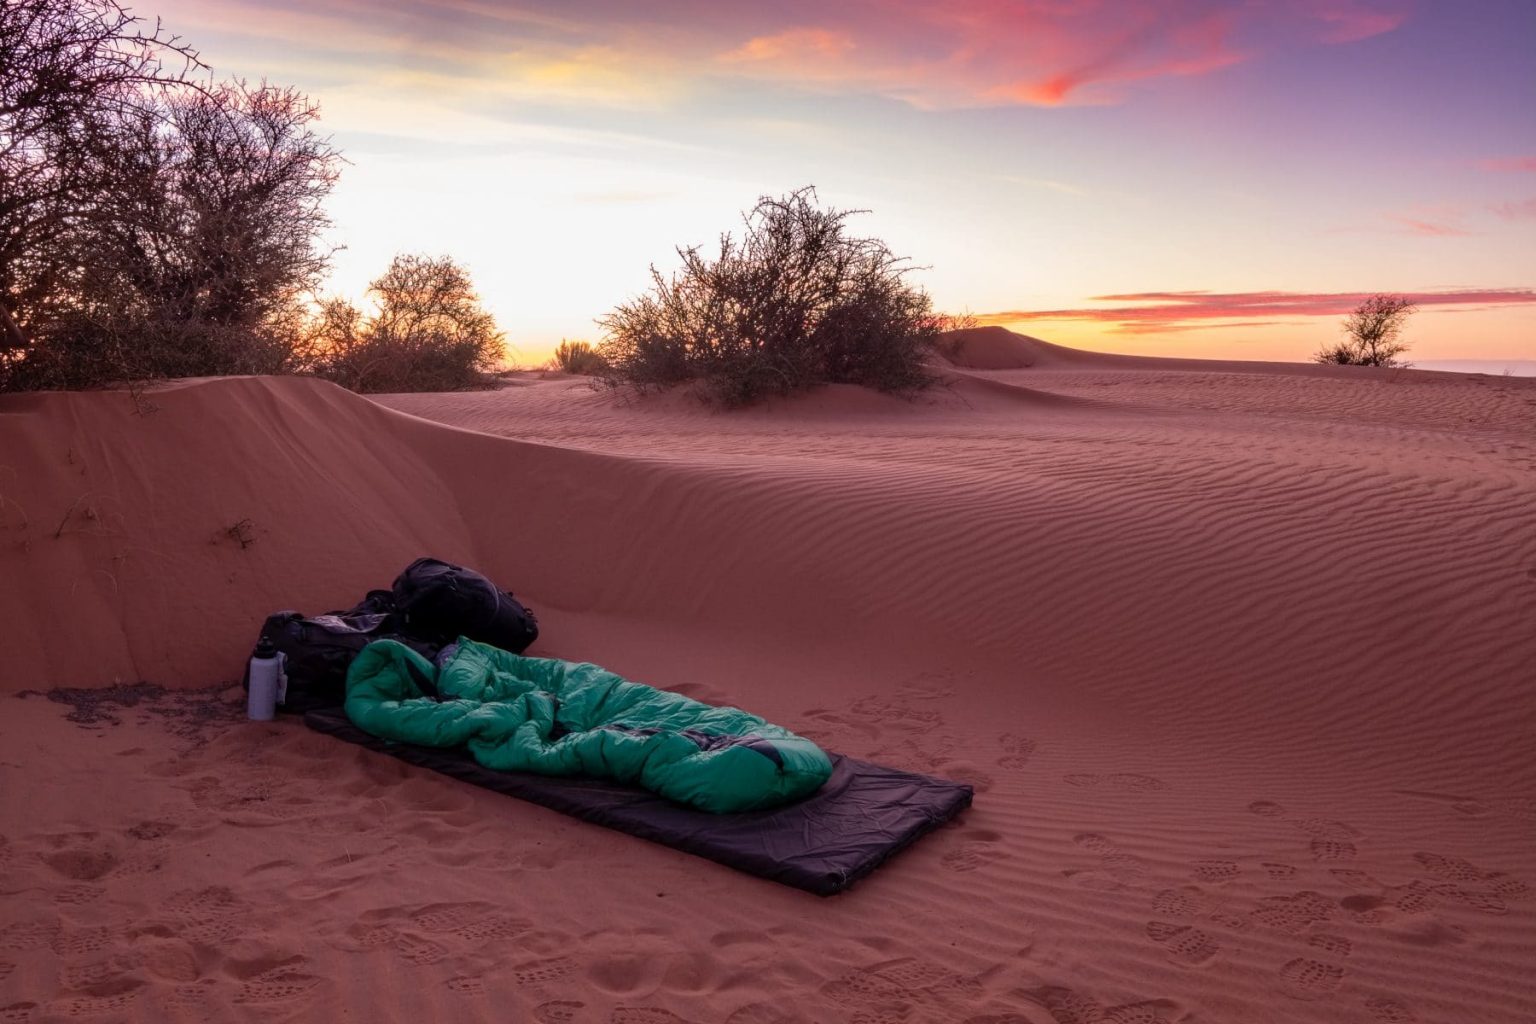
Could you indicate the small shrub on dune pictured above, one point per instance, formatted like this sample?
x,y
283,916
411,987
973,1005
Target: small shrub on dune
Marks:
x,y
578,357
796,301
1371,334
949,342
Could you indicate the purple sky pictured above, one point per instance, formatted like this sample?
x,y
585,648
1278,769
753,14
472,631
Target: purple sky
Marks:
x,y
1227,175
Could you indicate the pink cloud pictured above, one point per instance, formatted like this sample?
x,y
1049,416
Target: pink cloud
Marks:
x,y
1430,228
1350,22
1509,163
1153,312
944,53
1525,209
931,53
1197,48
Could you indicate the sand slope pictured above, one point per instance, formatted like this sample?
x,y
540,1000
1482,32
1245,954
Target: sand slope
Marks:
x,y
1239,657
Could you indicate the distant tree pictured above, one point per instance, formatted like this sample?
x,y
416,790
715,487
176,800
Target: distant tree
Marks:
x,y
578,357
428,332
796,301
1371,333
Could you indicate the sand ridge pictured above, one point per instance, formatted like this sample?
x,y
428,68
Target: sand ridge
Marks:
x,y
1237,657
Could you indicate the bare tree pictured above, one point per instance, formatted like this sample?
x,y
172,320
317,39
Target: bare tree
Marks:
x,y
66,66
1371,332
428,332
195,247
796,301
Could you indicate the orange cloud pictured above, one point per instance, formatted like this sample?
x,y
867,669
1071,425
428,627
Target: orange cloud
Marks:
x,y
796,44
1155,312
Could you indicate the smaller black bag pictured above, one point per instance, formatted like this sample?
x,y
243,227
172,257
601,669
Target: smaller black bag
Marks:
x,y
437,602
319,649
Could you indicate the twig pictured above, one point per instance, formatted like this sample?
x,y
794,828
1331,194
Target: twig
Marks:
x,y
69,512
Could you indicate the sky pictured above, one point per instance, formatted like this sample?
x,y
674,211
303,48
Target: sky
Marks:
x,y
1208,178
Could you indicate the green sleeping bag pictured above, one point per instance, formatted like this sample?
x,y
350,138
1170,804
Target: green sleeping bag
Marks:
x,y
566,718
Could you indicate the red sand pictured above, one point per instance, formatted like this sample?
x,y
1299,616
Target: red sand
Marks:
x,y
1239,657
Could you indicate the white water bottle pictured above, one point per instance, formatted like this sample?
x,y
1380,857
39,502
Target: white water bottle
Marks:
x,y
267,682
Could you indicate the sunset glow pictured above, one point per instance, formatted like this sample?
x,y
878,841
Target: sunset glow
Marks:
x,y
1169,177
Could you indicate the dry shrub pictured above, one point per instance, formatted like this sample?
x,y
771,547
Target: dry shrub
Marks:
x,y
795,302
578,357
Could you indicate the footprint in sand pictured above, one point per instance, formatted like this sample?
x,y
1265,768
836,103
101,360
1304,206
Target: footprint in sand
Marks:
x,y
1188,901
977,848
645,1015
82,941
1293,914
543,971
1017,750
419,951
1305,978
422,935
1119,782
194,1000
1334,946
760,1013
1390,1011
1330,840
1455,869
78,895
893,985
210,916
108,997
1071,1007
1325,828
171,961
79,857
927,686
1191,902
1215,871
1116,867
25,935
1418,897
268,981
558,1011
1332,849
1184,944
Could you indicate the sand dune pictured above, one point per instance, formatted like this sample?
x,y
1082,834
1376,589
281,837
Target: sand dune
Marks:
x,y
1239,657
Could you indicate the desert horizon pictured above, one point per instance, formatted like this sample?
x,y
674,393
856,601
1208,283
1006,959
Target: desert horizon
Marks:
x,y
894,513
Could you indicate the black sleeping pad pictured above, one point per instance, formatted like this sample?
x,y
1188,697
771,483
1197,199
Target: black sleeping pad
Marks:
x,y
863,815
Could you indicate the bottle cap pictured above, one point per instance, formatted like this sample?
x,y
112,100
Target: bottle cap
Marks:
x,y
265,648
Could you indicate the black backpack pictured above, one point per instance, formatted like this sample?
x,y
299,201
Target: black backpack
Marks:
x,y
431,604
438,602
318,650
